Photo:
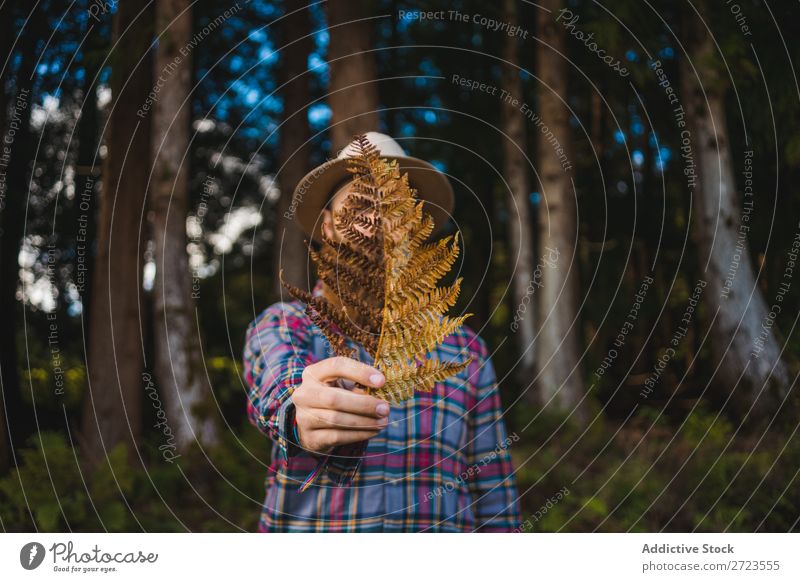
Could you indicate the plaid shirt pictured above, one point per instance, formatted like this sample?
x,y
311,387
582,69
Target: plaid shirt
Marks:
x,y
441,464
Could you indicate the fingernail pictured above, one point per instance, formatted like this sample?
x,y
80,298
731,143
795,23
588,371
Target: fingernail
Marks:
x,y
382,422
376,378
382,409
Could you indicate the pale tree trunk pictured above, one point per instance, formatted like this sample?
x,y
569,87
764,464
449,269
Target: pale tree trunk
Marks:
x,y
738,309
557,350
179,369
290,249
353,91
515,170
112,411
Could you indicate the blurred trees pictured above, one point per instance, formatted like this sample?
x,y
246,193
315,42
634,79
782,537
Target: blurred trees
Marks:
x,y
275,90
352,90
179,368
516,164
560,382
9,375
747,362
290,252
88,162
17,154
112,411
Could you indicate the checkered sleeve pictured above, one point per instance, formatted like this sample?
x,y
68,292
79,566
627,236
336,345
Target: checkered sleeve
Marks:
x,y
275,355
493,488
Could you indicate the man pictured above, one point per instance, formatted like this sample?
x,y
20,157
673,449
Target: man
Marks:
x,y
437,462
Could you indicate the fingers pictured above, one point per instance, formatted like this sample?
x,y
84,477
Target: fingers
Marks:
x,y
329,416
361,404
326,439
322,430
331,369
317,418
315,395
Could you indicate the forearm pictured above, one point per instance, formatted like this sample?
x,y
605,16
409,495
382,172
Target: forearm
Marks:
x,y
276,353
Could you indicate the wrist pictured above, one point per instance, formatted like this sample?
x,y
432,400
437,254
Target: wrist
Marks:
x,y
290,433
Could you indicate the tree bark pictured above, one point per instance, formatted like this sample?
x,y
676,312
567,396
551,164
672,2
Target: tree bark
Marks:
x,y
738,309
353,91
87,162
179,368
558,355
8,359
290,250
515,169
15,167
112,412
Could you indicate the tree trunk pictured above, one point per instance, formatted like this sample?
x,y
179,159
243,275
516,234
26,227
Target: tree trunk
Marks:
x,y
179,366
353,91
112,411
558,356
7,360
520,236
741,347
290,250
87,168
15,168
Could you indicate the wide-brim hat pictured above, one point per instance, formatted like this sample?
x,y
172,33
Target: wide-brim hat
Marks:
x,y
313,191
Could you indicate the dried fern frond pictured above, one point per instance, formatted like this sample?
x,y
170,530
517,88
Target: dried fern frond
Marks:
x,y
383,277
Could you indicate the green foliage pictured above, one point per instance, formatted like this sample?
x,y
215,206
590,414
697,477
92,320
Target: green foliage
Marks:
x,y
50,482
215,490
41,386
225,377
650,477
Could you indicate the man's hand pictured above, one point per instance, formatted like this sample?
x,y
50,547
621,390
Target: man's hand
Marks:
x,y
328,416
